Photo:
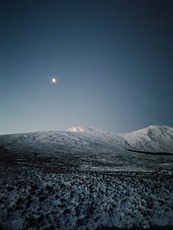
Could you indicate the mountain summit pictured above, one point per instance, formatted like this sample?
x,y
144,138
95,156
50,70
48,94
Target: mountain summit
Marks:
x,y
79,129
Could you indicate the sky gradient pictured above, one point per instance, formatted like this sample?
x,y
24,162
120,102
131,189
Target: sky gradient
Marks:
x,y
113,61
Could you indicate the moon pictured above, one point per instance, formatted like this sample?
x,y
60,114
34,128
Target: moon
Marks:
x,y
53,80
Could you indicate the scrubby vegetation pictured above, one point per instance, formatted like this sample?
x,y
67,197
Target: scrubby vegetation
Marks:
x,y
53,193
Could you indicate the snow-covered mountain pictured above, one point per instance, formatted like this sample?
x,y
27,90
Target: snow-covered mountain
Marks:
x,y
75,139
151,139
79,139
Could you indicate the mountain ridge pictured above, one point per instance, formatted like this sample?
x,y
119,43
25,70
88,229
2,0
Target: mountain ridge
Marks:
x,y
155,138
152,139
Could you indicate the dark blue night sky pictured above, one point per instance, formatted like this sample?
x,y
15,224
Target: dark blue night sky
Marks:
x,y
113,61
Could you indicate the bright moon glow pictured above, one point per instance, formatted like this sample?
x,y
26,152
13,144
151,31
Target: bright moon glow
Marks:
x,y
53,80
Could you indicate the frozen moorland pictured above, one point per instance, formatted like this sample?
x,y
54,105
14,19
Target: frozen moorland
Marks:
x,y
86,178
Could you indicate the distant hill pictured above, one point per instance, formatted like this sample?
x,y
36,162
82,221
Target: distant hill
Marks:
x,y
153,139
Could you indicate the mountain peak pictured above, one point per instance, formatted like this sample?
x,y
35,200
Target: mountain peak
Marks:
x,y
79,129
76,129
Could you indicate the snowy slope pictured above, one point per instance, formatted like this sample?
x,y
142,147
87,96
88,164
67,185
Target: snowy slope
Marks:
x,y
79,139
88,140
151,139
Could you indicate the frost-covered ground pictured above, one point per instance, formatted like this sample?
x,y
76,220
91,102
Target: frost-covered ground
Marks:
x,y
87,180
59,193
